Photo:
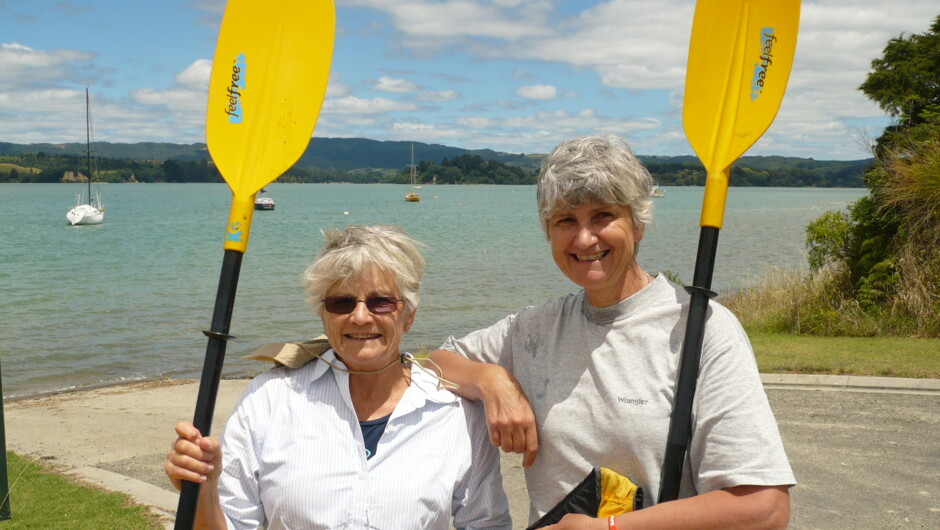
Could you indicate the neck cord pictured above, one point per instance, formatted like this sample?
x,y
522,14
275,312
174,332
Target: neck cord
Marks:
x,y
403,358
400,360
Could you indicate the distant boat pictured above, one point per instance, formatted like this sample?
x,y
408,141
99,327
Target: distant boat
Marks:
x,y
658,193
92,211
412,196
264,203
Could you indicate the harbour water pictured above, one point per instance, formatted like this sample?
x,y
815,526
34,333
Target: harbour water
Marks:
x,y
128,299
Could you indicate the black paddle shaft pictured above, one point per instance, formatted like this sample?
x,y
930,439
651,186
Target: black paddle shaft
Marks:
x,y
211,374
680,424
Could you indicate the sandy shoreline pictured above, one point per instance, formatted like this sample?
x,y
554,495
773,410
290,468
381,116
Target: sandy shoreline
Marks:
x,y
118,427
863,449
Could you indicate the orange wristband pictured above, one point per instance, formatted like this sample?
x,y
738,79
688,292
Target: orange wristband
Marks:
x,y
612,523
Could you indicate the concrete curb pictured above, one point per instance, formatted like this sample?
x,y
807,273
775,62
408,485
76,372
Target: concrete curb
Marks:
x,y
160,501
850,383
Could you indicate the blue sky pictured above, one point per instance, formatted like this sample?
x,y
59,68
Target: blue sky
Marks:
x,y
510,75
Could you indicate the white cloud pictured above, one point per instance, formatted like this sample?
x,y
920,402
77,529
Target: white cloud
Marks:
x,y
438,95
398,86
355,105
422,132
178,111
580,123
177,99
195,75
58,115
335,88
477,122
430,21
55,113
537,92
537,131
643,45
23,66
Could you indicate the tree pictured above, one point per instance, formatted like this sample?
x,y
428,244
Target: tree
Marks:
x,y
888,246
905,81
173,171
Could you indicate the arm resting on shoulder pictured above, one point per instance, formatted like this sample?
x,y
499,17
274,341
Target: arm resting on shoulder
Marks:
x,y
509,416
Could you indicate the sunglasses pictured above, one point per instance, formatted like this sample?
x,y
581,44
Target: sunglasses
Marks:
x,y
377,305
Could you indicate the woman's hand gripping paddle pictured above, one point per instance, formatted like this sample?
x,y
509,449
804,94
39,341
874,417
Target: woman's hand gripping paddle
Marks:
x,y
740,56
269,78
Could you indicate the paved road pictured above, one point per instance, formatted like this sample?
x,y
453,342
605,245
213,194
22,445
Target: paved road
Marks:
x,y
863,460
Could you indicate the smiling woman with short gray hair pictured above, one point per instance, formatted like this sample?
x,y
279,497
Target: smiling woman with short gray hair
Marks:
x,y
330,443
595,371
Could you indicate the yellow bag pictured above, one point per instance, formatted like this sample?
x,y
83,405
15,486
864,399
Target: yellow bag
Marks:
x,y
602,493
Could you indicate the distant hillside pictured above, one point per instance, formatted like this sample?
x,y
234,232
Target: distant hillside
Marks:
x,y
325,153
138,151
360,153
364,160
776,171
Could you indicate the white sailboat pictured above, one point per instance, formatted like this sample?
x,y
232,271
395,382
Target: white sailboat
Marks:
x,y
412,196
90,212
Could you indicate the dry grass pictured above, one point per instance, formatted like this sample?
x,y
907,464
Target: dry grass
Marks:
x,y
789,301
912,192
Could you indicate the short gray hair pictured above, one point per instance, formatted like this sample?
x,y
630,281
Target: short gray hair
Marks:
x,y
349,253
594,169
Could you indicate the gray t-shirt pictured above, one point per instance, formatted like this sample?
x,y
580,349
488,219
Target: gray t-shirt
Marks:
x,y
601,381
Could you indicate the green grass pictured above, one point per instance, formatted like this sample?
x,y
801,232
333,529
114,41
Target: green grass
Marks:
x,y
40,498
869,356
5,167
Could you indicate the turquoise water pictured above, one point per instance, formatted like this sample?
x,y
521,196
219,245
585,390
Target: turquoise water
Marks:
x,y
128,299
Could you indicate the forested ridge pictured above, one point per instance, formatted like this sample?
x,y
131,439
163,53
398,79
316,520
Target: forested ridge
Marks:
x,y
364,161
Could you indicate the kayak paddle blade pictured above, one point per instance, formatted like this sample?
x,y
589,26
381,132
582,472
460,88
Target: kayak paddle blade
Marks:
x,y
269,79
740,56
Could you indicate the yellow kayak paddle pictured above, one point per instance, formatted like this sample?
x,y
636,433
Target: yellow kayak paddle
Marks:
x,y
269,78
740,57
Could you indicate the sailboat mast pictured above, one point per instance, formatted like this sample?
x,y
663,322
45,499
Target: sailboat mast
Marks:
x,y
413,164
88,140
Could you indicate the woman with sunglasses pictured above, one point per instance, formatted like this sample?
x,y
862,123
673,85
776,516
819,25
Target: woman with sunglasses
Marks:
x,y
360,437
599,366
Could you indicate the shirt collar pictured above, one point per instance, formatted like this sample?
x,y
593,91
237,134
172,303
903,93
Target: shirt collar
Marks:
x,y
604,316
423,388
321,368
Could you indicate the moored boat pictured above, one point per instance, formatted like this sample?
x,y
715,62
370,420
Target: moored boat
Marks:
x,y
412,196
264,203
84,214
90,212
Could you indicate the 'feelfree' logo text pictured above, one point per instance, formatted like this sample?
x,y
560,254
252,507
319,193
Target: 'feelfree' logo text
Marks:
x,y
235,89
767,40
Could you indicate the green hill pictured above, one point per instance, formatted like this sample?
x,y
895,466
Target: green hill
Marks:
x,y
365,160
